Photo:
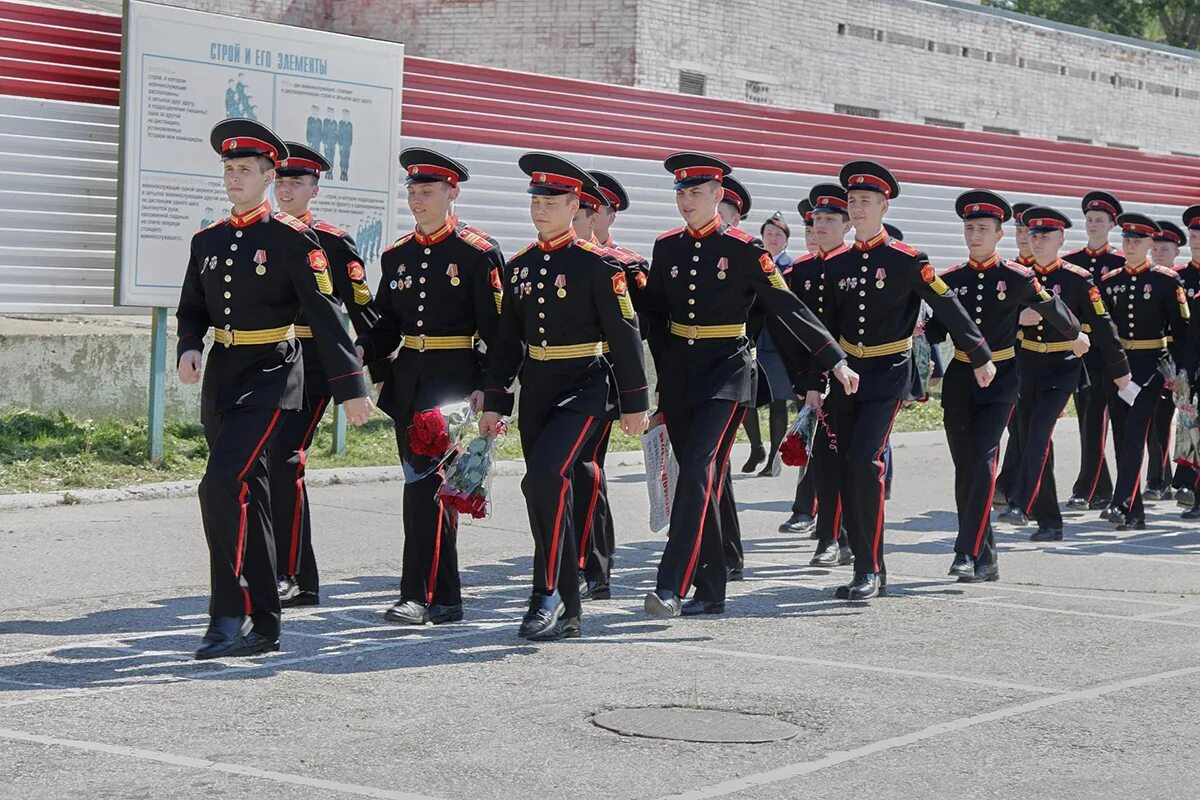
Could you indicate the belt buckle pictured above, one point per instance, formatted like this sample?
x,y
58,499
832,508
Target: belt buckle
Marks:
x,y
540,350
421,349
693,331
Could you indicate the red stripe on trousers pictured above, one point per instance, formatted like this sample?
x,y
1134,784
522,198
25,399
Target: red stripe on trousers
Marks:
x,y
987,507
882,491
294,546
1137,480
551,573
1103,446
245,490
691,567
587,525
431,584
1037,487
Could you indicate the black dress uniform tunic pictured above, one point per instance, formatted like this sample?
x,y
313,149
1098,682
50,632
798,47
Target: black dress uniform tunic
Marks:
x,y
1186,476
875,293
438,297
564,302
289,451
1050,372
702,284
975,417
1148,304
1094,481
248,278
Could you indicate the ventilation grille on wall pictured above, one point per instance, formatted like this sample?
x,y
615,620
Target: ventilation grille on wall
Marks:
x,y
856,111
691,82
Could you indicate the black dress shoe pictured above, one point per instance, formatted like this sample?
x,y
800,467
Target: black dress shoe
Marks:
x,y
1013,516
773,469
1168,493
757,454
594,590
1046,534
563,628
1099,503
1185,498
1133,524
845,556
865,587
252,644
826,556
1191,513
407,612
984,573
1077,503
1114,515
663,604
734,574
695,607
287,587
441,614
542,616
222,635
291,595
798,523
963,566
1152,495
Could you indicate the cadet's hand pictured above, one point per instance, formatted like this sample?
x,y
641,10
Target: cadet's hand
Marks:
x,y
189,367
635,424
358,410
489,424
1029,317
1081,344
1122,381
847,377
985,374
813,398
475,398
358,349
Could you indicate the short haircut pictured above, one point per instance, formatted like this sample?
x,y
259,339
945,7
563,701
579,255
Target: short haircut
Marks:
x,y
778,223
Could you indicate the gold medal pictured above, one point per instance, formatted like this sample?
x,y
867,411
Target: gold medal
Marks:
x,y
455,281
1001,296
878,284
562,292
261,269
720,276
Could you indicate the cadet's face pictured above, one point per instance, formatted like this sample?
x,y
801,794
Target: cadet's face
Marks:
x,y
774,239
698,204
602,222
810,239
1164,253
582,222
866,209
1194,243
552,214
1045,246
729,214
1098,225
1136,249
246,180
829,230
1022,236
981,236
295,192
430,202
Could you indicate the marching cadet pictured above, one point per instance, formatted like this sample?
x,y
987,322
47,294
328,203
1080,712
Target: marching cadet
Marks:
x,y
975,417
1159,474
1012,451
1025,255
1051,369
1093,486
296,185
1189,275
566,301
247,278
704,276
439,297
876,288
1148,305
804,506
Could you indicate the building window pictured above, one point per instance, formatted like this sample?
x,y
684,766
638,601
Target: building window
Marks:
x,y
691,82
944,123
1123,146
1074,139
856,111
998,129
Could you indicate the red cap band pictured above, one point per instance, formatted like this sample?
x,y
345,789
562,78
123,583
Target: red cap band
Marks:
x,y
611,197
590,200
870,180
1134,227
691,173
1102,206
249,143
985,208
1043,222
448,175
831,200
1170,236
731,196
563,183
298,163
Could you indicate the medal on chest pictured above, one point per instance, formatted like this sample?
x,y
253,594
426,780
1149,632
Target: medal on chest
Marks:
x,y
260,259
880,277
1001,290
452,272
674,272
560,283
722,267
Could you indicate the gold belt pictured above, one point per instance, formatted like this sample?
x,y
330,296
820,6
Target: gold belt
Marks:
x,y
1085,328
262,336
997,355
303,331
1144,344
708,331
421,342
876,350
558,352
1046,347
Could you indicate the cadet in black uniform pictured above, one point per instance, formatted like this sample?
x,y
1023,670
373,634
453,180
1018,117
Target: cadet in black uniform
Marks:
x,y
247,278
566,301
1093,487
703,279
1159,473
975,417
296,184
438,298
1189,275
876,289
1148,305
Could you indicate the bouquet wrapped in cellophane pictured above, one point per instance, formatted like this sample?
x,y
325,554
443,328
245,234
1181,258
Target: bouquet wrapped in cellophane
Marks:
x,y
467,486
798,443
1187,427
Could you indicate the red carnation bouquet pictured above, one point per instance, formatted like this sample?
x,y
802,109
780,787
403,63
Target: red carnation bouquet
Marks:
x,y
440,432
797,446
467,487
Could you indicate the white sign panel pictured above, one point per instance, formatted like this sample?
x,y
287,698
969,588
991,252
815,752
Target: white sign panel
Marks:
x,y
186,70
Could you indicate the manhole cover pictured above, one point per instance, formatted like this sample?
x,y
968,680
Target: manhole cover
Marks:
x,y
695,725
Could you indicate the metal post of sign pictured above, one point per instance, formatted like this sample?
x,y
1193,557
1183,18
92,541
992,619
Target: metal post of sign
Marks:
x,y
339,416
158,382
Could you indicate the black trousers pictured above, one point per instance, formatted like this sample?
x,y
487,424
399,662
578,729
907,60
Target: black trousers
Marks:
x,y
731,527
1131,429
593,520
1034,490
806,501
290,521
862,428
1094,481
1011,462
973,432
695,553
1159,472
824,474
430,558
235,506
553,445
